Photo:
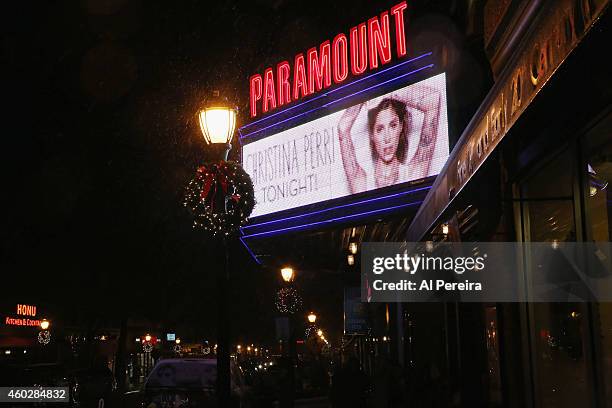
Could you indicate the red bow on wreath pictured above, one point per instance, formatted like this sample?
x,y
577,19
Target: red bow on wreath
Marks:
x,y
216,173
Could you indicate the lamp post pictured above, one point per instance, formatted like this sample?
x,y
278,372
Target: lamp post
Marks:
x,y
44,336
217,123
287,401
312,318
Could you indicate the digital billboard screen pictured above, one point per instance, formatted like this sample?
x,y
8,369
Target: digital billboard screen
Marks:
x,y
394,138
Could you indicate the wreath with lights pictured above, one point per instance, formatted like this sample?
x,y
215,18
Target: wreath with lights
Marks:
x,y
44,337
288,300
220,197
310,331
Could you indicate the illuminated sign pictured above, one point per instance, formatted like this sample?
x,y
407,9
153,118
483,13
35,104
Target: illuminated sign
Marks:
x,y
395,138
11,321
26,310
367,45
170,336
23,310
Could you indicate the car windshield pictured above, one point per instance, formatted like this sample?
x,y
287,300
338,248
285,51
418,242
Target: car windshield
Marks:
x,y
184,374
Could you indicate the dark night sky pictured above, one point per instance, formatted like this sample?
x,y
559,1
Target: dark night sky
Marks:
x,y
99,140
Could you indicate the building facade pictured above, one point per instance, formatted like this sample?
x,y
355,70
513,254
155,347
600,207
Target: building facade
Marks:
x,y
532,166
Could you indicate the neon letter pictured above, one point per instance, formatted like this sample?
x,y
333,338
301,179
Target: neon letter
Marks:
x,y
359,52
269,100
299,78
380,40
400,34
340,53
254,92
319,68
283,87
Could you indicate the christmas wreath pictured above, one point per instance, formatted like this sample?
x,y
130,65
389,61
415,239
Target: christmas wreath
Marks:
x,y
288,300
220,197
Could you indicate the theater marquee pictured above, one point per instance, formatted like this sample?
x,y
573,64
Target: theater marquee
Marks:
x,y
394,138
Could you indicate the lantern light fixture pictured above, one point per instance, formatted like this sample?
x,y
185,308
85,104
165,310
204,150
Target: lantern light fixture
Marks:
x,y
445,229
44,324
350,259
218,121
287,274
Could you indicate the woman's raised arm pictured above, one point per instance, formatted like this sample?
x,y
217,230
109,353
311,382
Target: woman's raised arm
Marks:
x,y
355,175
427,100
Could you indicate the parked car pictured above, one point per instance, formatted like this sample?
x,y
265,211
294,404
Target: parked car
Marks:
x,y
190,382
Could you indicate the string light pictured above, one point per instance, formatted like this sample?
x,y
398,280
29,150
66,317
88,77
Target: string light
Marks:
x,y
44,337
220,196
288,300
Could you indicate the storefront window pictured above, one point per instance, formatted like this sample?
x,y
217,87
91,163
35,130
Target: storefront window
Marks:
x,y
558,330
598,198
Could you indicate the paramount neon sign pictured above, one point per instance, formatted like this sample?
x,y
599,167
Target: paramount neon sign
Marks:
x,y
367,46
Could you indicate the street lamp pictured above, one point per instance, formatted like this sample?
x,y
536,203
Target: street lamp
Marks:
x,y
217,123
289,302
320,333
445,229
287,274
312,318
44,324
350,259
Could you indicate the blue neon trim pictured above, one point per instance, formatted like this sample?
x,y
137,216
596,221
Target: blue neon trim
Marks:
x,y
337,207
330,220
377,85
250,252
338,100
336,89
282,121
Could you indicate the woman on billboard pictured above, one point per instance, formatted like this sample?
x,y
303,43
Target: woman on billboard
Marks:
x,y
389,124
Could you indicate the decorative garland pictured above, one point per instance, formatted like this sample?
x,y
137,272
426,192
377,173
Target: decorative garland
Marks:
x,y
44,337
220,197
288,300
310,331
147,347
